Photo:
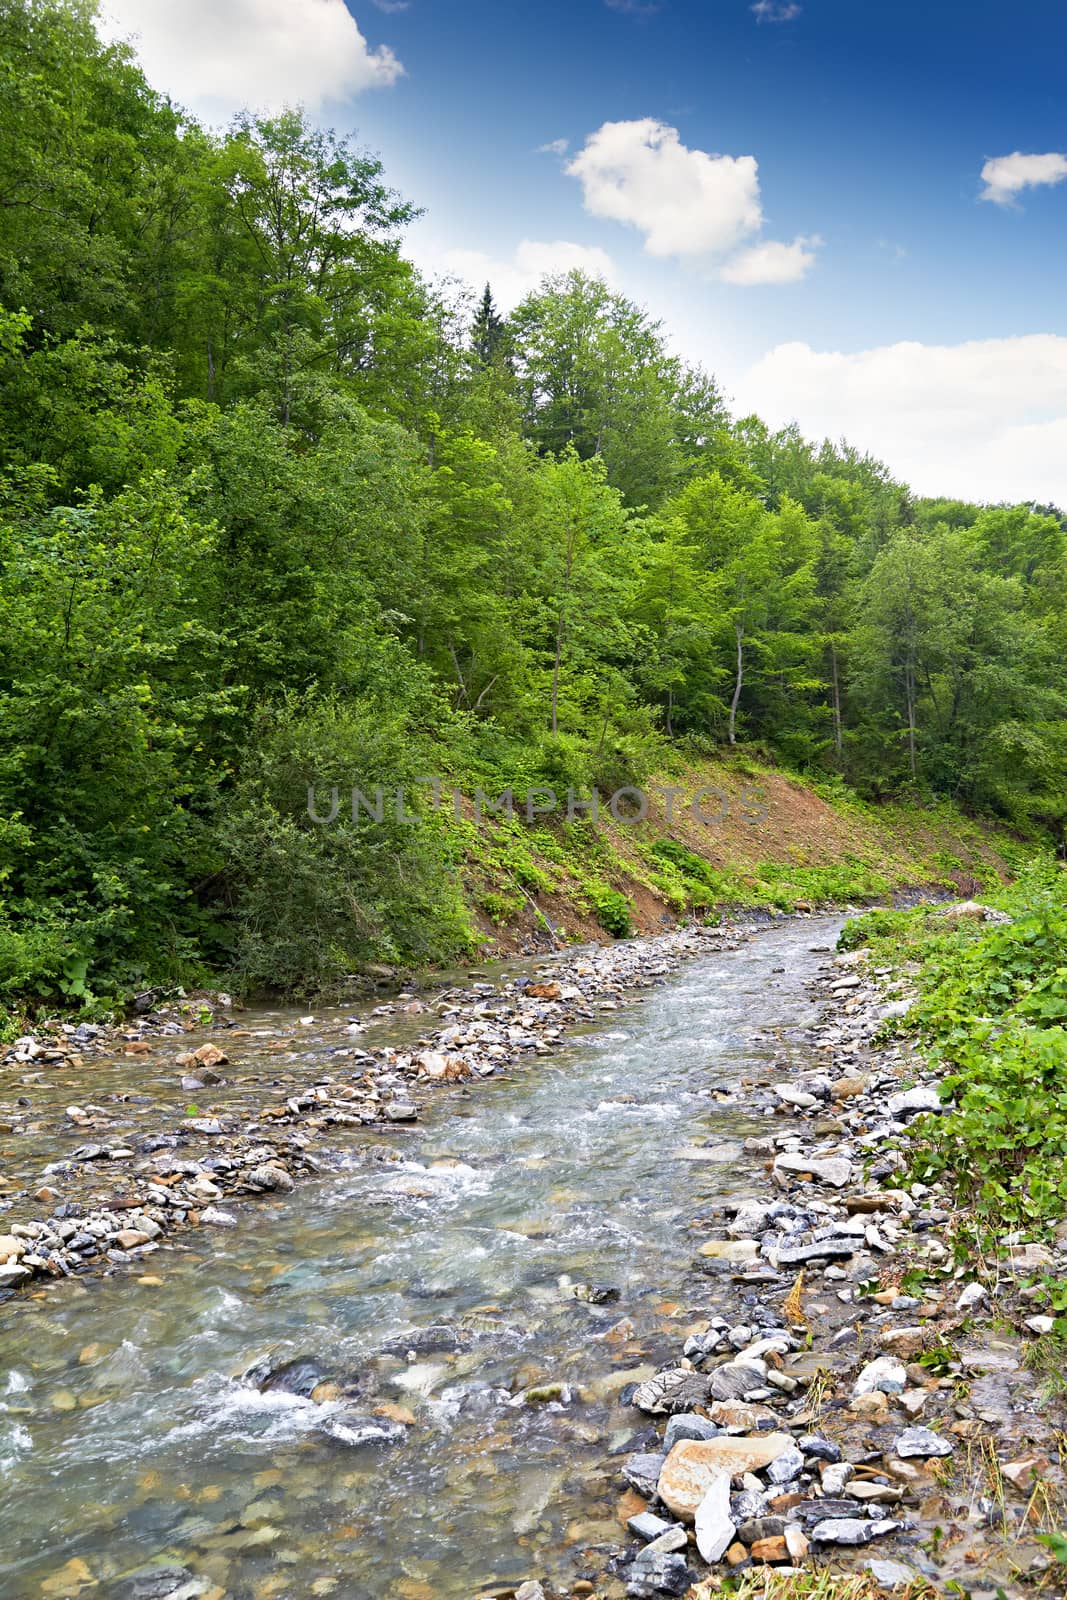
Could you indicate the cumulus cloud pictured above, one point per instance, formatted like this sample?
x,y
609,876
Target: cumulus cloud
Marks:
x,y
1006,176
775,10
514,276
685,202
985,420
218,56
772,262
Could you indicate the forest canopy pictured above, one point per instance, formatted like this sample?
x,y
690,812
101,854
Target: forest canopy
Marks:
x,y
275,508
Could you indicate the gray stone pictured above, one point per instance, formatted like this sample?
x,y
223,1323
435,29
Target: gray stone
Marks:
x,y
850,1530
834,1170
887,1374
734,1382
912,1101
271,1179
687,1425
890,1574
664,1574
675,1390
646,1525
813,1444
665,1544
921,1442
786,1466
836,1476
825,1250
642,1471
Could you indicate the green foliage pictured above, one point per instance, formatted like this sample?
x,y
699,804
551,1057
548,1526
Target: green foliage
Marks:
x,y
275,510
992,1009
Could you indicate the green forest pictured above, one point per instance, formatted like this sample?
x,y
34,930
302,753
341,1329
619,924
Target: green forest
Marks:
x,y
275,510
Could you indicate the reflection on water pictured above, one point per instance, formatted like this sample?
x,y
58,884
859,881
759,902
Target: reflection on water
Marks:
x,y
539,1225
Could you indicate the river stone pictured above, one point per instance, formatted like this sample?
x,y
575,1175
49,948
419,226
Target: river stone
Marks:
x,y
921,1442
663,1574
786,1466
675,1538
646,1525
271,1178
714,1527
834,1170
693,1465
298,1377
886,1374
675,1390
813,1444
850,1530
688,1426
642,1471
353,1430
428,1341
12,1274
734,1382
913,1101
826,1250
890,1574
738,1252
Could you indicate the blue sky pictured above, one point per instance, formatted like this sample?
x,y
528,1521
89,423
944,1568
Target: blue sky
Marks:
x,y
839,265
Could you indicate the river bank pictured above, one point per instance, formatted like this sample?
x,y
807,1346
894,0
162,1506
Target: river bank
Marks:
x,y
520,1372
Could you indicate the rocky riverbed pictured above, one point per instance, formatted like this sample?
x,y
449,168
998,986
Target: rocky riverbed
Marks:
x,y
545,1374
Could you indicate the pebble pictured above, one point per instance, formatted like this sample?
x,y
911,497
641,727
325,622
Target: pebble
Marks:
x,y
921,1442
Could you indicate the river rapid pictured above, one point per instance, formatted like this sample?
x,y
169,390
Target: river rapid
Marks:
x,y
530,1232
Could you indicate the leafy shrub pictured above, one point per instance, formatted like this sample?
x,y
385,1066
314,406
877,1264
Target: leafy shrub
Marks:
x,y
614,912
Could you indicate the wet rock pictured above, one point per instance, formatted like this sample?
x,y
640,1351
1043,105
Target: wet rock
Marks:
x,y
428,1341
400,1111
850,1530
693,1466
529,1591
714,1526
677,1389
832,1170
271,1179
824,1250
646,1525
642,1471
212,1217
160,1582
353,1431
890,1574
886,1374
661,1574
686,1425
675,1538
298,1377
737,1252
921,1442
734,1382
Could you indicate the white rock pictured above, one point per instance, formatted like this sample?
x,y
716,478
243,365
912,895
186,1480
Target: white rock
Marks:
x,y
973,1295
887,1374
911,1101
834,1170
714,1529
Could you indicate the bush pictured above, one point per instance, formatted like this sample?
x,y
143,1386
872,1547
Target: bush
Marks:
x,y
311,902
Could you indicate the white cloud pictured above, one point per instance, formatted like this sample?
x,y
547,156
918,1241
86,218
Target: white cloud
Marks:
x,y
513,277
685,202
775,10
218,56
1006,176
772,262
985,420
554,147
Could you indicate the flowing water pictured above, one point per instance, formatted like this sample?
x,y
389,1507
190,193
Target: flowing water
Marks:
x,y
126,1436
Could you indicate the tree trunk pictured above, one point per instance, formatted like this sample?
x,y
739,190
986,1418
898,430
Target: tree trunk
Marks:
x,y
836,683
739,628
909,692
